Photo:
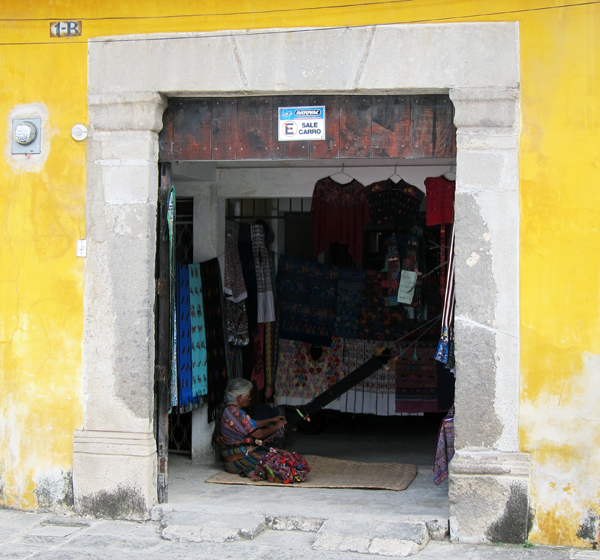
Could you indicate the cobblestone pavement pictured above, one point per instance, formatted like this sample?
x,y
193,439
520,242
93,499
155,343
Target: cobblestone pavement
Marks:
x,y
51,537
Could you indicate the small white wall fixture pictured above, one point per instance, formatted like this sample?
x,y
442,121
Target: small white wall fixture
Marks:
x,y
130,79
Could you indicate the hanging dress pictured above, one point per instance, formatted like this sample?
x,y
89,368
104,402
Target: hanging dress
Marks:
x,y
340,213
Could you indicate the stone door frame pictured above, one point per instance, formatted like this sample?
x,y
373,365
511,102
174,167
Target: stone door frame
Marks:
x,y
130,79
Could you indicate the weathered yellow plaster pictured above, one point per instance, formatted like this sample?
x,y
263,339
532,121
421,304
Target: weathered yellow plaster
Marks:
x,y
41,315
41,216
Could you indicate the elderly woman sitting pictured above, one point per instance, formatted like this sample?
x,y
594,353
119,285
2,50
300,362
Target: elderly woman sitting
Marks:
x,y
241,440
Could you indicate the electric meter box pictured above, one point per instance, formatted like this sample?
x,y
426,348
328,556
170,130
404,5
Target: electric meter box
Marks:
x,y
26,136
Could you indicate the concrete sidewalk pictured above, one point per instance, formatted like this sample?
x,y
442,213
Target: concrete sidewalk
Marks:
x,y
53,537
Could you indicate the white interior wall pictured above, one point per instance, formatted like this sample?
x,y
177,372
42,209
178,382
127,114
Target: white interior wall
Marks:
x,y
286,181
265,182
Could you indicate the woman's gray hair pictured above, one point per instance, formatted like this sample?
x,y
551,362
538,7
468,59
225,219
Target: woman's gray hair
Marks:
x,y
237,388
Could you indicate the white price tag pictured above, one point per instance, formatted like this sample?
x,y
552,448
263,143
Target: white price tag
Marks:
x,y
406,290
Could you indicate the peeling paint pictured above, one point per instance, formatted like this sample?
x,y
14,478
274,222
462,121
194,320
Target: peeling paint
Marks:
x,y
565,461
41,280
473,259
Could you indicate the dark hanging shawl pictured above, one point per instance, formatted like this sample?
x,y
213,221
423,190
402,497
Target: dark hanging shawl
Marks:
x,y
210,274
249,274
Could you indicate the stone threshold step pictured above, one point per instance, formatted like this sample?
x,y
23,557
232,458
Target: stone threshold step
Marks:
x,y
365,534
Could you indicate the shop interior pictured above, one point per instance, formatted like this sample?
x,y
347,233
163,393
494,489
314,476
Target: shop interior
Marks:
x,y
358,257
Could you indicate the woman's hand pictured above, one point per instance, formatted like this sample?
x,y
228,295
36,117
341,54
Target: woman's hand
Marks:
x,y
265,431
269,421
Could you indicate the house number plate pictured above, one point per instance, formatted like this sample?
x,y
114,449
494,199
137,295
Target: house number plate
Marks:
x,y
65,28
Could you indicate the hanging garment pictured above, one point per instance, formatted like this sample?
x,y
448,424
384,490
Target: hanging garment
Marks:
x,y
307,292
184,339
443,261
210,275
236,357
300,376
377,321
199,378
265,304
247,261
392,203
416,378
446,383
392,272
411,263
350,301
237,323
377,393
439,204
318,301
445,449
172,297
271,349
271,338
445,349
248,361
340,213
258,372
235,287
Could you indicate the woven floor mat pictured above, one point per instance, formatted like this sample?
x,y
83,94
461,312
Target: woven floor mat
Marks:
x,y
333,473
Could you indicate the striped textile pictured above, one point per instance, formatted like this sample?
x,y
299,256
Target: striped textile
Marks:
x,y
445,449
264,287
445,349
416,378
443,261
234,287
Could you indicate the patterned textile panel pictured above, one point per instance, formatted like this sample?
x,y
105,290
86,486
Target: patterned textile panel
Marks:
x,y
199,356
416,380
445,449
356,353
413,383
300,375
379,321
376,394
319,301
350,302
383,381
307,293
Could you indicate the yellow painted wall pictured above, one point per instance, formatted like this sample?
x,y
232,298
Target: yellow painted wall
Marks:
x,y
42,215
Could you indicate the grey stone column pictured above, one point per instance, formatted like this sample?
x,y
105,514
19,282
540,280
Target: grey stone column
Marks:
x,y
489,477
114,459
